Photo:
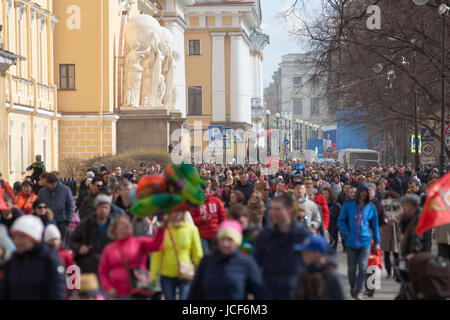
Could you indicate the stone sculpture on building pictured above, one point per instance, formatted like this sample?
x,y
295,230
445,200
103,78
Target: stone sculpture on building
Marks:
x,y
149,64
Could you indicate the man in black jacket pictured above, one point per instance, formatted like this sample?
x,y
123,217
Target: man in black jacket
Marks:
x,y
274,249
244,186
91,236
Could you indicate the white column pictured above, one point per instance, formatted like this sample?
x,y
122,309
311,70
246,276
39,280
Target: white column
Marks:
x,y
218,77
240,107
180,78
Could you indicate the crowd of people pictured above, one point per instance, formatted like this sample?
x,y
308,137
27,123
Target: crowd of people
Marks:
x,y
256,236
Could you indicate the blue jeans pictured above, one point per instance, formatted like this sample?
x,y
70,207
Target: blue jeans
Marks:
x,y
169,286
206,244
357,258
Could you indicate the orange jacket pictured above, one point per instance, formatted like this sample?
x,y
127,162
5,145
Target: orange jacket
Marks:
x,y
25,202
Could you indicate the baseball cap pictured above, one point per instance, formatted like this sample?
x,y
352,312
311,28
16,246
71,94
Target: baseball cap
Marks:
x,y
315,243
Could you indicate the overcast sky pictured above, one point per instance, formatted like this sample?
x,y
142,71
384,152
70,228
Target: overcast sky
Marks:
x,y
281,41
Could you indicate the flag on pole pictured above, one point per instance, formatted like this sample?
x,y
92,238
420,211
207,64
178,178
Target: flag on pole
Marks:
x,y
436,211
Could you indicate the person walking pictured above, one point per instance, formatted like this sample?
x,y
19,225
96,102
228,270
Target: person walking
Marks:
x,y
358,223
227,274
442,236
91,236
125,254
10,214
318,279
274,253
181,253
207,218
335,208
24,200
41,211
52,237
35,272
58,198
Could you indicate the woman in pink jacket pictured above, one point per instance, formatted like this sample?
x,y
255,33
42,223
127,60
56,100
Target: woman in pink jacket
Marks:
x,y
125,251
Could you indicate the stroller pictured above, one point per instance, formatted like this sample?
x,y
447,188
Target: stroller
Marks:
x,y
427,277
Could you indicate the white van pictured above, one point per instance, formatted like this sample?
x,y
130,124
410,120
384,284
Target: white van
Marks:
x,y
358,158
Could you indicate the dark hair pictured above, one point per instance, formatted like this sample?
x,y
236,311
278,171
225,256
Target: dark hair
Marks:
x,y
97,178
106,190
238,210
44,175
26,183
330,192
287,201
52,178
298,183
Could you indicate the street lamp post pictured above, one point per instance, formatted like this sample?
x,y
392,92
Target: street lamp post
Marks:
x,y
277,116
306,133
285,135
290,140
296,134
416,130
443,11
267,131
301,134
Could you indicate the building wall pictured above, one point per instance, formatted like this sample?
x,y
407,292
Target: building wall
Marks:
x,y
28,104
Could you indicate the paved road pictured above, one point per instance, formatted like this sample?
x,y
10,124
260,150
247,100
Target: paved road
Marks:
x,y
389,287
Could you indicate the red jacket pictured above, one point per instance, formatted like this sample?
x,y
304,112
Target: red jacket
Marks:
x,y
322,203
2,202
66,256
214,207
7,188
111,270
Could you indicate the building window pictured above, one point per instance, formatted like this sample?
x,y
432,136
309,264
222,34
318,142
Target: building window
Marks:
x,y
67,77
298,139
194,47
45,150
315,105
315,80
297,82
298,108
10,155
195,101
21,155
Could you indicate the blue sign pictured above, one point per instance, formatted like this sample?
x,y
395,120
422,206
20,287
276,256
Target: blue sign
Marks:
x,y
286,142
239,137
228,140
215,133
426,135
316,143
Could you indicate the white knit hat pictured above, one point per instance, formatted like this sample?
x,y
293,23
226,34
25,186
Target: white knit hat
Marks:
x,y
29,225
51,232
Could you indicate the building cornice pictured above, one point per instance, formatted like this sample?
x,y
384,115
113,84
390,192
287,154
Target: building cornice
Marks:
x,y
89,117
27,110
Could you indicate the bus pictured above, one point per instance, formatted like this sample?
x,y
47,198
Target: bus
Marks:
x,y
358,158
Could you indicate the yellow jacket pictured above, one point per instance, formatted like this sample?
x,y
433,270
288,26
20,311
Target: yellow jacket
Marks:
x,y
189,249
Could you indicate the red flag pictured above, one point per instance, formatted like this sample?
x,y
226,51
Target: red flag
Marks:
x,y
436,211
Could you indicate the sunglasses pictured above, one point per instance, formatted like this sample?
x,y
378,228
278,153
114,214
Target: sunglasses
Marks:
x,y
42,207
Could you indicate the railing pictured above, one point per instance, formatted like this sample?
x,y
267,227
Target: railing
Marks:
x,y
23,94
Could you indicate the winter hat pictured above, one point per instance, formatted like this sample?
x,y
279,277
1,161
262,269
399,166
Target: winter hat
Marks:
x,y
101,199
413,199
373,186
128,175
6,243
29,225
88,282
231,229
90,174
315,243
103,168
51,232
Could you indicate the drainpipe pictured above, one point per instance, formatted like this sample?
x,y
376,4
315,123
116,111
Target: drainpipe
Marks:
x,y
52,124
101,79
33,114
8,110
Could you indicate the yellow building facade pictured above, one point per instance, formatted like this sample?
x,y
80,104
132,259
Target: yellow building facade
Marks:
x,y
28,101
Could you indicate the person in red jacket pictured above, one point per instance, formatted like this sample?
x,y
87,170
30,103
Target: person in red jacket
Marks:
x,y
207,218
125,253
6,187
320,200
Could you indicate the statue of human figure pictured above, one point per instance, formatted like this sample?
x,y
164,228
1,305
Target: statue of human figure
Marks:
x,y
151,77
168,70
133,75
